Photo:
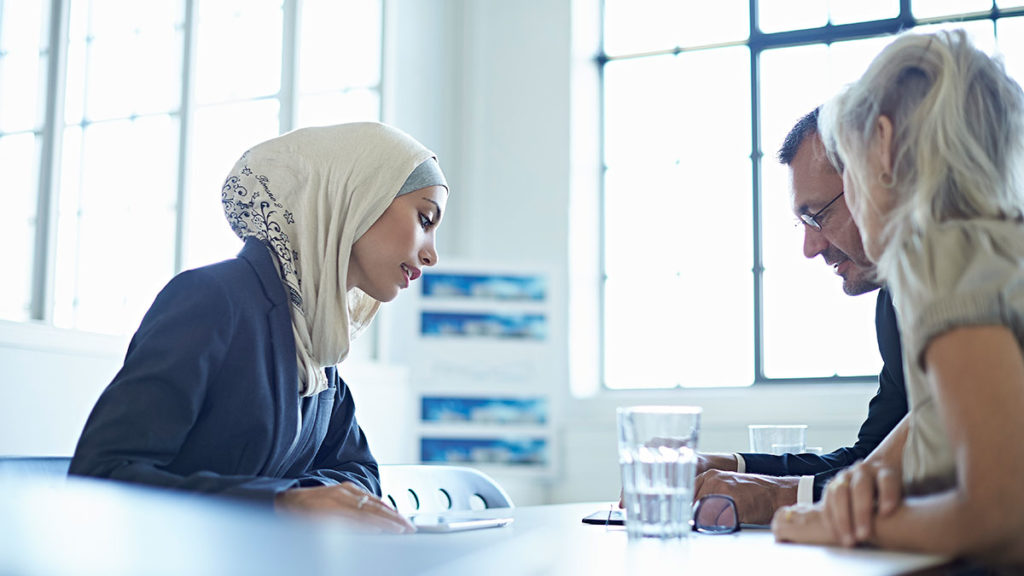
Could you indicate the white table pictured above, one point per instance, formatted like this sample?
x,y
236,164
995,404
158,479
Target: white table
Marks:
x,y
554,540
89,527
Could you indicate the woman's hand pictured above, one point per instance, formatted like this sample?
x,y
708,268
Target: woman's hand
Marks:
x,y
347,500
804,524
847,513
857,496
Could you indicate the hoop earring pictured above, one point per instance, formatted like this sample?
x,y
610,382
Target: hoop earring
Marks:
x,y
886,180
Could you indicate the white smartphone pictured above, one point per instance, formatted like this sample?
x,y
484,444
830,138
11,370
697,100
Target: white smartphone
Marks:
x,y
443,523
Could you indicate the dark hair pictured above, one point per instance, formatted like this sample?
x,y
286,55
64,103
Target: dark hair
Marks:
x,y
805,126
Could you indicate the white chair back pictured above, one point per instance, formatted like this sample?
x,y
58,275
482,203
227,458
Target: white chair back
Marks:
x,y
432,488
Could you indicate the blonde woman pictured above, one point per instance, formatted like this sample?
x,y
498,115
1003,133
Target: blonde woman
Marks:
x,y
931,140
230,384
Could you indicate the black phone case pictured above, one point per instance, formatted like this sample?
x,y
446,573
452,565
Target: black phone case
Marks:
x,y
606,518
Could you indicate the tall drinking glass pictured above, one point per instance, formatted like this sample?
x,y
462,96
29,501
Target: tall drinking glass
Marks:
x,y
658,461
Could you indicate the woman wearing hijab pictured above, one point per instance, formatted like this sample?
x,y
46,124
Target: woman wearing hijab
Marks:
x,y
229,385
932,141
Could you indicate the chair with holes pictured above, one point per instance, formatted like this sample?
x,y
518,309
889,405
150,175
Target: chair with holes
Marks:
x,y
427,488
49,467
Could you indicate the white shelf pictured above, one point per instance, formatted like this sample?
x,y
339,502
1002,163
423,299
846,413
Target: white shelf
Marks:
x,y
473,358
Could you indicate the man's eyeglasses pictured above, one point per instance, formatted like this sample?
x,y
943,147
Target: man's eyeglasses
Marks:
x,y
812,219
716,514
712,514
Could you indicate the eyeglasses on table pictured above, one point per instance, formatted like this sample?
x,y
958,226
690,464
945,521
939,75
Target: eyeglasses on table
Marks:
x,y
712,514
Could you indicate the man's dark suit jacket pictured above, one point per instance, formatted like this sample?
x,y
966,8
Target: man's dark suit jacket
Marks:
x,y
208,399
885,411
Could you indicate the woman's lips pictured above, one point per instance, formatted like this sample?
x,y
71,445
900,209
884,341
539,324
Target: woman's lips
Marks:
x,y
410,273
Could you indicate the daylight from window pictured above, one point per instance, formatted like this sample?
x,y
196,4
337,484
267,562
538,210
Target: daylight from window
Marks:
x,y
690,287
155,101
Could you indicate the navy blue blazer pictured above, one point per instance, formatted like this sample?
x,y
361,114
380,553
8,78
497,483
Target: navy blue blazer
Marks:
x,y
207,399
886,409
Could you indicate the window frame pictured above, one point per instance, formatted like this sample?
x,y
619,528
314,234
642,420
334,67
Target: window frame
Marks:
x,y
758,42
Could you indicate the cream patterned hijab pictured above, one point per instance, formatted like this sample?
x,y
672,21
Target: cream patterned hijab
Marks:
x,y
309,195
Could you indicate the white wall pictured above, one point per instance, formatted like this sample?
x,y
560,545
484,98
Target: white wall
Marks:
x,y
49,380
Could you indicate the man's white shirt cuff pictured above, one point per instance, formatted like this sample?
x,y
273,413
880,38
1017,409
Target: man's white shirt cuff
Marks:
x,y
741,464
805,490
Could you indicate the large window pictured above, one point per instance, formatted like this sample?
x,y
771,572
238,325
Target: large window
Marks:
x,y
119,120
705,279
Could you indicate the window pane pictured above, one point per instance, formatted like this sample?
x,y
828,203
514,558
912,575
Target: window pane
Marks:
x,y
338,107
847,11
116,222
221,135
1011,45
124,59
632,26
714,22
934,8
794,287
981,32
22,64
67,226
74,79
641,95
332,89
663,203
850,59
339,45
788,91
1003,4
238,50
663,327
19,166
781,15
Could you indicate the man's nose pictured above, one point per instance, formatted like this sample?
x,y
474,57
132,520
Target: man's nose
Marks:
x,y
814,242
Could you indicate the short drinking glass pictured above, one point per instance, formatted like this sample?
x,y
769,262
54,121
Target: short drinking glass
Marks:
x,y
771,439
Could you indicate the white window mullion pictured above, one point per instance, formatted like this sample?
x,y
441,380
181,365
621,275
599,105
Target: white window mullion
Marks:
x,y
289,63
185,132
44,265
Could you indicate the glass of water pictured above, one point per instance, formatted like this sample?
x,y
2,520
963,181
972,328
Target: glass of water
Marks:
x,y
658,461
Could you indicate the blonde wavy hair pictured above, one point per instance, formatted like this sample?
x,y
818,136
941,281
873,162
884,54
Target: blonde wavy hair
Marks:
x,y
958,124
